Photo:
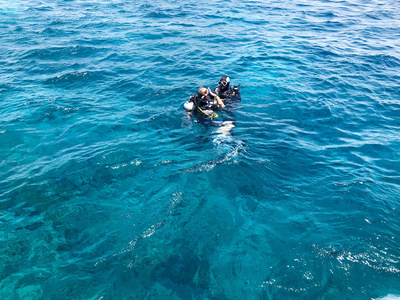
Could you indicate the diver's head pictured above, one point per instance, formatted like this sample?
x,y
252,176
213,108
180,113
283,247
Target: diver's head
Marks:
x,y
223,83
203,94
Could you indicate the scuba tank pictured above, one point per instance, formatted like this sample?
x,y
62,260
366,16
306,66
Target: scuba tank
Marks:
x,y
189,105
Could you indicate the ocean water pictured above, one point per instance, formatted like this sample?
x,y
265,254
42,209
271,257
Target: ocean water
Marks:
x,y
109,190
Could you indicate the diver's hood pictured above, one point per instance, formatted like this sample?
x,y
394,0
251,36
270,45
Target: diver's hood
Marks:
x,y
224,79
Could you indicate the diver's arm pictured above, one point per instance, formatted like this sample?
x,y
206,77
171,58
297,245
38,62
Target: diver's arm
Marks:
x,y
219,101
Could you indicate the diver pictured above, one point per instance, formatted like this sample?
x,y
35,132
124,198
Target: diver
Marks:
x,y
204,106
205,95
205,100
224,91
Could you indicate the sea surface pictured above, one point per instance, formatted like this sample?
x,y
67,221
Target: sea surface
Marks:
x,y
110,190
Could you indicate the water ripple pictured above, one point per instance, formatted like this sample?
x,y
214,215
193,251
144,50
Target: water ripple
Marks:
x,y
106,181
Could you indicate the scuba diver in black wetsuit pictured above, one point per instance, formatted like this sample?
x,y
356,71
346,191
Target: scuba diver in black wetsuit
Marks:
x,y
225,92
205,104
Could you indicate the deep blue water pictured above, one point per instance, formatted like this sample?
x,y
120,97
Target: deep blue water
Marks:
x,y
109,190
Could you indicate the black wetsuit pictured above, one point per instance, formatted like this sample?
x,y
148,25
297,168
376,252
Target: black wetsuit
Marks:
x,y
204,110
230,93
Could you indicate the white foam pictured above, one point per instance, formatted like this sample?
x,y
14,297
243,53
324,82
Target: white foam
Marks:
x,y
226,127
389,297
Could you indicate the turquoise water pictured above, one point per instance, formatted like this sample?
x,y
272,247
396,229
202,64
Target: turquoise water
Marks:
x,y
109,190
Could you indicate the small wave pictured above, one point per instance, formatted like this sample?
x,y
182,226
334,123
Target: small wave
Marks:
x,y
57,22
74,77
387,60
222,142
61,52
40,8
158,15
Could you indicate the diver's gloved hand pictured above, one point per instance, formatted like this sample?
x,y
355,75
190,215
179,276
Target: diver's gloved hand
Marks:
x,y
219,101
211,93
235,90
